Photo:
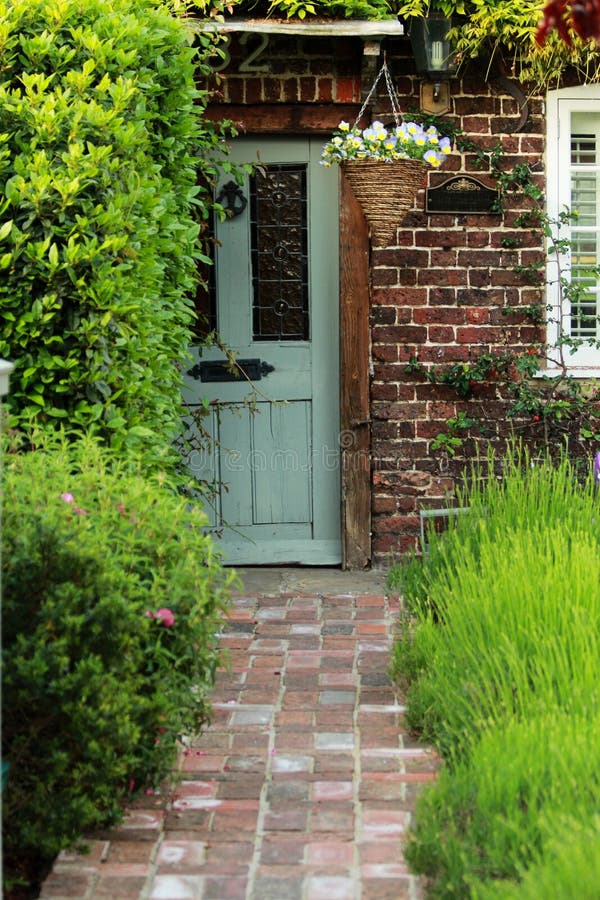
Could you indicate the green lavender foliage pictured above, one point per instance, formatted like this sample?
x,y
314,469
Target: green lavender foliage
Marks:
x,y
500,659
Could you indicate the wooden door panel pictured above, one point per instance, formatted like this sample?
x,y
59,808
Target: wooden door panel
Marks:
x,y
281,464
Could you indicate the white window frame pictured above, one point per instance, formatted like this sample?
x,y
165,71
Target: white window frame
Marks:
x,y
584,362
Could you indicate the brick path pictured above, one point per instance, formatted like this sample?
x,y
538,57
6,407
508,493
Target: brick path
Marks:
x,y
301,788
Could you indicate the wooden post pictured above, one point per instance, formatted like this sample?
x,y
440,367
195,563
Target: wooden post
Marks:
x,y
355,437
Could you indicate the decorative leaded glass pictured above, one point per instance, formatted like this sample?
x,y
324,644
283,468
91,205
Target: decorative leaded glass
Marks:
x,y
205,298
279,241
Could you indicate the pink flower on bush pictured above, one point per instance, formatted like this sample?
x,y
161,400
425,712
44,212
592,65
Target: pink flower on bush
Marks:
x,y
163,615
166,617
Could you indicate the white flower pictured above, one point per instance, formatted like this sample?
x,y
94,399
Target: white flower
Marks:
x,y
408,140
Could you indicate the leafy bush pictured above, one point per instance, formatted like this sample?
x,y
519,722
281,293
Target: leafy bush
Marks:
x,y
501,659
112,598
101,144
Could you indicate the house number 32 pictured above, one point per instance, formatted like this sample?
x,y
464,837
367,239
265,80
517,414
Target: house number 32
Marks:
x,y
248,64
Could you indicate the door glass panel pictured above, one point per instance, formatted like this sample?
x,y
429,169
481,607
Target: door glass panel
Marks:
x,y
205,297
279,249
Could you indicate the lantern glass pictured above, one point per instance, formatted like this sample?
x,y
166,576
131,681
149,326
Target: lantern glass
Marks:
x,y
431,48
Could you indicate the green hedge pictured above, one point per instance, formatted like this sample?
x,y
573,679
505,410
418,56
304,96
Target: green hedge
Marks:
x,y
101,140
112,600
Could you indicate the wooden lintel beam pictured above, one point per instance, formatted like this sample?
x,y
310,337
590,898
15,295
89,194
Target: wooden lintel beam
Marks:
x,y
292,118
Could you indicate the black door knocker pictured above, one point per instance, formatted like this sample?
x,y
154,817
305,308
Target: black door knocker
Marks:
x,y
232,199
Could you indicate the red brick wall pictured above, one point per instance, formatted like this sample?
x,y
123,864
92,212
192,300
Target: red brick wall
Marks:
x,y
439,291
301,70
440,294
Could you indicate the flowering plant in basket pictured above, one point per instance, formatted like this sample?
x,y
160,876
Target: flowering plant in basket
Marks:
x,y
407,140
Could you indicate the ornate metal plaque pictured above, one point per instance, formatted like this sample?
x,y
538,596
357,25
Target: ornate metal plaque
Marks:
x,y
461,194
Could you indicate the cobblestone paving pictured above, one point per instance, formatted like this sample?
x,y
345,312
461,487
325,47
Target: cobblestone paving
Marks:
x,y
303,785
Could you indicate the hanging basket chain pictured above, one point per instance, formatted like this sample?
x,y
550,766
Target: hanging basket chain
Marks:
x,y
391,90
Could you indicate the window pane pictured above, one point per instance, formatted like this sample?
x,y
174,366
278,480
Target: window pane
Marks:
x,y
585,230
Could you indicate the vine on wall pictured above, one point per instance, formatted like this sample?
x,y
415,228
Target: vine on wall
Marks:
x,y
543,402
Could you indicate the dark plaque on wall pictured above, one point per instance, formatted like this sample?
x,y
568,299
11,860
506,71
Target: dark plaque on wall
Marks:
x,y
461,194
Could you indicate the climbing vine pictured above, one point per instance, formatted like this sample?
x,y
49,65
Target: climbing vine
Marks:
x,y
543,402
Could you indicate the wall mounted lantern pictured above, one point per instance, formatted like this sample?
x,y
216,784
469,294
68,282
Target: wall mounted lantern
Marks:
x,y
435,60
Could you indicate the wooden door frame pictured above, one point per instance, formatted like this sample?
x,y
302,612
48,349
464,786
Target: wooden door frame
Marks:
x,y
355,410
354,303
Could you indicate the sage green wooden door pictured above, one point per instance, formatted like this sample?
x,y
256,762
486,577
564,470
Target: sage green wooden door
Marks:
x,y
273,456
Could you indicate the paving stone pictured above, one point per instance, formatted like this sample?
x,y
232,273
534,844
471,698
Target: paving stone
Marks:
x,y
120,887
330,853
63,885
330,698
335,818
291,763
252,715
177,887
333,762
337,629
216,888
228,857
130,852
290,818
332,790
281,850
175,854
274,887
334,740
284,791
323,887
374,679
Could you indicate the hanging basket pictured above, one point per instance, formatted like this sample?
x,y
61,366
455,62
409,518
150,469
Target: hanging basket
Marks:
x,y
386,190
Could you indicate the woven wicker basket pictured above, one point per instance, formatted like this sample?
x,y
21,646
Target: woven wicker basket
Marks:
x,y
385,190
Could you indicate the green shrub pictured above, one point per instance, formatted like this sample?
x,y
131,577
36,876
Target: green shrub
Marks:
x,y
101,145
112,600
